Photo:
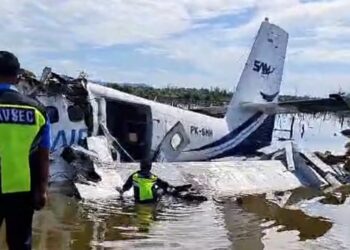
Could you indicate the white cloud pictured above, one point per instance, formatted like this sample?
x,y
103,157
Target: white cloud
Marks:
x,y
321,84
320,55
68,24
319,33
210,8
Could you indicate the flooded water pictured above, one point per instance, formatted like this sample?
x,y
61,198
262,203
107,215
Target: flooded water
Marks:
x,y
304,218
115,224
250,222
315,133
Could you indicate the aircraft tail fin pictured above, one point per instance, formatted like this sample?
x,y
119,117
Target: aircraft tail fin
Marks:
x,y
262,75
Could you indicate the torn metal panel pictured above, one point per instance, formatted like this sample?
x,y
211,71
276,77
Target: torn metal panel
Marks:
x,y
307,175
118,148
82,162
100,146
67,101
306,165
322,169
290,156
60,171
317,162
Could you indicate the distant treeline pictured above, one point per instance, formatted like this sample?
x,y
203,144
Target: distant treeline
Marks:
x,y
186,96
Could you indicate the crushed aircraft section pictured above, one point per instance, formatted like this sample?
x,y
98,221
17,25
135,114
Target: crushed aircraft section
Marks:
x,y
90,154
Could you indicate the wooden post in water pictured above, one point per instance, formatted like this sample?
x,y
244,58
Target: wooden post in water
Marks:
x,y
291,127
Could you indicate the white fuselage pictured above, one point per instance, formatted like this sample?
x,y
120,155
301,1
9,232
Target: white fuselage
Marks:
x,y
201,129
143,125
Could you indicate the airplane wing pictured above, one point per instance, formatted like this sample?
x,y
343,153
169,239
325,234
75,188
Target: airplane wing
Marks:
x,y
335,103
338,104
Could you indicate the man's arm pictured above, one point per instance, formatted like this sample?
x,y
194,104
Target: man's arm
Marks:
x,y
41,167
163,184
128,184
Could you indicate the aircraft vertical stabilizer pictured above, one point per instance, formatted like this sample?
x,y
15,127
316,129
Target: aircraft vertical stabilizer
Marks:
x,y
260,84
262,75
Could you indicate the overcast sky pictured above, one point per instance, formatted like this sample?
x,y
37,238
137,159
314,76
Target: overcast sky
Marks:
x,y
185,43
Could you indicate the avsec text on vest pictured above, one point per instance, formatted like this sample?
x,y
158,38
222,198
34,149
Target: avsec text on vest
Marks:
x,y
17,115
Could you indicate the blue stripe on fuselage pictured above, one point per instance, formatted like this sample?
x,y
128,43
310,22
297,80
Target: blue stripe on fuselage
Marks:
x,y
261,137
231,135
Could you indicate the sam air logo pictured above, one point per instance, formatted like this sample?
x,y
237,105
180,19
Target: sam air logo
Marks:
x,y
263,67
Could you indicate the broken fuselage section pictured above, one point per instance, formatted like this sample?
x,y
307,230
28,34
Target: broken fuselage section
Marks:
x,y
76,113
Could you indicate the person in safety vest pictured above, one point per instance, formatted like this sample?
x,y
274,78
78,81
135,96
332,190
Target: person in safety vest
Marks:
x,y
24,156
146,185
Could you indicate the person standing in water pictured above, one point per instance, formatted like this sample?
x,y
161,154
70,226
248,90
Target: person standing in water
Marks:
x,y
24,156
146,185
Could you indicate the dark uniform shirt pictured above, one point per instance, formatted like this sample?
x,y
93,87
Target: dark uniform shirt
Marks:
x,y
10,95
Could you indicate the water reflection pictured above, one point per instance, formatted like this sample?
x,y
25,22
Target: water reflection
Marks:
x,y
115,224
248,217
145,214
243,229
68,224
291,219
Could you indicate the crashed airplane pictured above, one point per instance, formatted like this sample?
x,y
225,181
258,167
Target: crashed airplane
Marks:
x,y
103,125
149,129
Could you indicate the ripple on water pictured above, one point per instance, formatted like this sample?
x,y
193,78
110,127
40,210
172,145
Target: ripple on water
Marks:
x,y
168,224
251,223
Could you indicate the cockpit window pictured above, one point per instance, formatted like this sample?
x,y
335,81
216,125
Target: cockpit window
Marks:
x,y
75,113
52,113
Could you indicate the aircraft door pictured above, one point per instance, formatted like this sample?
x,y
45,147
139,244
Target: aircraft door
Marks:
x,y
173,143
131,124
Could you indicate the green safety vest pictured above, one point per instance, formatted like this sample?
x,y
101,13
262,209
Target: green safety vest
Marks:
x,y
145,186
19,127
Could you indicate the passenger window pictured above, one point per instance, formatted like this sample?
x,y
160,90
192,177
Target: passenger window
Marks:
x,y
176,141
75,113
52,113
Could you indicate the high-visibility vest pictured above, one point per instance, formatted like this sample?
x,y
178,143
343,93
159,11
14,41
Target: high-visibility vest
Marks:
x,y
19,129
145,186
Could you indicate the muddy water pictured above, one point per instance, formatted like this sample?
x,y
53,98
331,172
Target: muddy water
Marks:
x,y
307,220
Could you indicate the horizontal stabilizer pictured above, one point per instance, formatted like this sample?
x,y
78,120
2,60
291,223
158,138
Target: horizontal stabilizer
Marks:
x,y
333,104
269,108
